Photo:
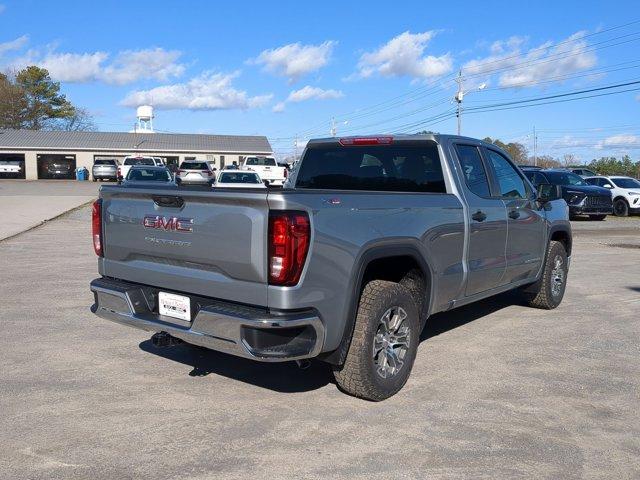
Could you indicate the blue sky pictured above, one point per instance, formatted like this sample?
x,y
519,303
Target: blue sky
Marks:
x,y
284,69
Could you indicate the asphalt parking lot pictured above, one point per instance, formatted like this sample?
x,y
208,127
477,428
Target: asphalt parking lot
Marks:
x,y
498,390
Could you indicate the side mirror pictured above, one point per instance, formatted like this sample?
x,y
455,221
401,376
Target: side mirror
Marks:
x,y
548,192
266,183
607,185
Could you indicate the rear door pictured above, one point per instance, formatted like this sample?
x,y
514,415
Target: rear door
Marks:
x,y
526,237
201,242
487,223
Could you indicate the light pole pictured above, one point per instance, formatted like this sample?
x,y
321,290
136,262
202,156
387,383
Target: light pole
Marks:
x,y
460,96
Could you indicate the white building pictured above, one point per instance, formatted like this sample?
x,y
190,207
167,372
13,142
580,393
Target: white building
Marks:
x,y
35,150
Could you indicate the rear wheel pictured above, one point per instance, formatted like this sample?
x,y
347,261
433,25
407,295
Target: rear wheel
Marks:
x,y
597,217
384,343
547,293
620,208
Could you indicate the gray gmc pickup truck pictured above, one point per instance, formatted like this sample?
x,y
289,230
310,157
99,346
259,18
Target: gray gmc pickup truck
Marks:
x,y
367,239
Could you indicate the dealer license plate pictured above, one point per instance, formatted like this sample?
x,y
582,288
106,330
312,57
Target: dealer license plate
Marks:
x,y
176,306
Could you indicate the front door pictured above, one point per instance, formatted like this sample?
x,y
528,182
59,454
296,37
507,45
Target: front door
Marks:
x,y
526,239
487,224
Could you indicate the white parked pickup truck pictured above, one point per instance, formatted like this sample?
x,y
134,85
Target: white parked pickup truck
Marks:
x,y
11,168
266,168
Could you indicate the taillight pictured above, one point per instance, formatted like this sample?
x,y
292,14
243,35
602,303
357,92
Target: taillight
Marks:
x,y
208,172
289,237
345,142
180,172
286,173
119,172
96,226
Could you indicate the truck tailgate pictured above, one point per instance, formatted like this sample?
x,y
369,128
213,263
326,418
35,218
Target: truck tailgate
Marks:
x,y
202,242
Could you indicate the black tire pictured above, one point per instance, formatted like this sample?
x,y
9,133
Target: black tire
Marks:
x,y
547,293
366,373
598,218
620,208
95,179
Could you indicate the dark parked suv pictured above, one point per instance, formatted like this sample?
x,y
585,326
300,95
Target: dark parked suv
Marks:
x,y
582,198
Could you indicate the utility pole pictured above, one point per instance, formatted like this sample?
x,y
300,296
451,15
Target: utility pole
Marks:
x,y
295,149
333,126
458,99
535,147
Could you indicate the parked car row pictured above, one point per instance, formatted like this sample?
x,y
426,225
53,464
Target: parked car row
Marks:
x,y
194,174
595,196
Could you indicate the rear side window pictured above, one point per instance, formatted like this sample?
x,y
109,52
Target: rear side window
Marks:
x,y
382,168
261,161
194,166
104,162
474,173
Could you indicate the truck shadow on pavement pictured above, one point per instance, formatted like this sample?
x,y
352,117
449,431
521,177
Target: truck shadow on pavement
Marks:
x,y
283,377
287,377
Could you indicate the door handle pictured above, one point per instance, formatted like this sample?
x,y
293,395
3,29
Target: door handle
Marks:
x,y
514,214
479,216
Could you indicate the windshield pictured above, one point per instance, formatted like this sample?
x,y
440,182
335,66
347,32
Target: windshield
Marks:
x,y
104,162
141,174
194,166
565,178
261,161
238,177
139,161
626,182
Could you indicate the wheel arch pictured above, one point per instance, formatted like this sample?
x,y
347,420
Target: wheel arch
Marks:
x,y
562,234
404,252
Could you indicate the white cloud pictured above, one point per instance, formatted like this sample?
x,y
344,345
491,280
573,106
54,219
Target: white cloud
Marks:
x,y
132,65
404,56
209,91
16,44
127,67
73,67
528,68
308,92
568,141
295,60
622,140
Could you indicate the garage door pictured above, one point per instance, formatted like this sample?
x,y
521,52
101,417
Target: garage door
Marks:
x,y
12,165
62,167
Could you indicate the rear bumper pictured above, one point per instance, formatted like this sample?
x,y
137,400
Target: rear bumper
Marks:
x,y
247,332
104,174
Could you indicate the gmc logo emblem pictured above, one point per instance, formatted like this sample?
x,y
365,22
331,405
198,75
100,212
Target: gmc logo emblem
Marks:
x,y
171,224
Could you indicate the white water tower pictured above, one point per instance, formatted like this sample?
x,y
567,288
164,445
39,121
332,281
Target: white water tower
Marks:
x,y
144,115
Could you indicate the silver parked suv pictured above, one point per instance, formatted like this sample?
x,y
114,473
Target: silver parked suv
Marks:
x,y
195,172
106,169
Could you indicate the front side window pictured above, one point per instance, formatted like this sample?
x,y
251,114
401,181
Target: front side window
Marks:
x,y
383,168
474,173
510,182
